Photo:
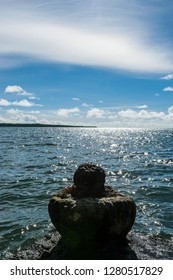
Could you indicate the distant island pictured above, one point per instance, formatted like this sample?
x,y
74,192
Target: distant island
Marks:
x,y
41,125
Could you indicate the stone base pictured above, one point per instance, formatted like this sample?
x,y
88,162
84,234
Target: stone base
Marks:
x,y
88,223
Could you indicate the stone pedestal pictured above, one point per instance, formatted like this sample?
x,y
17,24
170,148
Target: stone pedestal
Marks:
x,y
88,220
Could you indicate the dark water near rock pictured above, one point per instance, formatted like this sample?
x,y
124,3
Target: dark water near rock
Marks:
x,y
36,162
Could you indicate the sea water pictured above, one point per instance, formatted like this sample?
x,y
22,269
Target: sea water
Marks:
x,y
36,163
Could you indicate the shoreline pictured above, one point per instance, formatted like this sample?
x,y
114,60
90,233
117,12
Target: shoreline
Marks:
x,y
43,125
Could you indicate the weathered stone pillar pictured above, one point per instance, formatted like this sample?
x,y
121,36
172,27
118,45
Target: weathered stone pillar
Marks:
x,y
90,214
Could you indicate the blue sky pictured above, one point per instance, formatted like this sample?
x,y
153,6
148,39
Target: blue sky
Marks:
x,y
95,62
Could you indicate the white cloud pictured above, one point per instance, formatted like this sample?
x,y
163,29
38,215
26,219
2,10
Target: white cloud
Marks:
x,y
143,114
35,112
87,105
127,118
85,32
168,89
63,112
33,98
22,103
169,115
129,113
12,89
13,111
95,113
142,107
76,99
167,77
4,102
16,115
19,91
19,116
29,95
170,112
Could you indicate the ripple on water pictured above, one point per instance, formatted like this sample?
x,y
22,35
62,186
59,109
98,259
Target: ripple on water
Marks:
x,y
37,162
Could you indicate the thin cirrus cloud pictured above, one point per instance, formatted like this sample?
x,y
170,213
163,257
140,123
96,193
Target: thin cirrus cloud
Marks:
x,y
113,34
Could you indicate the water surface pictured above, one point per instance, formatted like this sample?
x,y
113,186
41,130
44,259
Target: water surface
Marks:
x,y
37,162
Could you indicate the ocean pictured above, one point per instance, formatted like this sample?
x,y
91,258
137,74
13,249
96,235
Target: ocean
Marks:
x,y
36,162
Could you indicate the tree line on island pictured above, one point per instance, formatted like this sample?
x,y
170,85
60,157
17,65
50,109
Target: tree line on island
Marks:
x,y
41,125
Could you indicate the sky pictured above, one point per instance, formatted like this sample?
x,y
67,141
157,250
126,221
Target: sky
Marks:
x,y
107,63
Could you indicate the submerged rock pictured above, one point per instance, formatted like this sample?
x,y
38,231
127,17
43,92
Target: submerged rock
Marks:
x,y
90,215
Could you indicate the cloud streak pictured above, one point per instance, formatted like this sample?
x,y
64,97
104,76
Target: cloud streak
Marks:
x,y
119,43
142,107
167,77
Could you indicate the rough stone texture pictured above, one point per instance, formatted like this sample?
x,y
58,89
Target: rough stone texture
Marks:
x,y
90,222
137,246
88,215
89,180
